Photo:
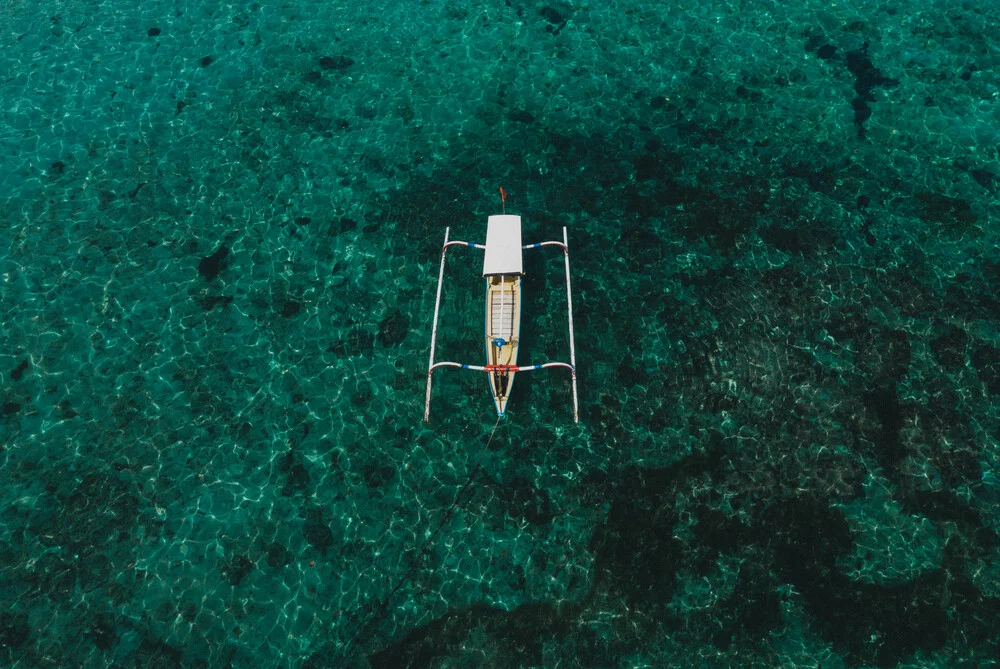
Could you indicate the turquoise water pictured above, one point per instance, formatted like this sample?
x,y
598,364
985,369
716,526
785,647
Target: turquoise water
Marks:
x,y
220,228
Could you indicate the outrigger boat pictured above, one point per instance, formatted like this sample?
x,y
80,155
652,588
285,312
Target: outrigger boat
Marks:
x,y
503,271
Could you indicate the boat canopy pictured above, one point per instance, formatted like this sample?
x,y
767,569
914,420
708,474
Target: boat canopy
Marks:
x,y
503,245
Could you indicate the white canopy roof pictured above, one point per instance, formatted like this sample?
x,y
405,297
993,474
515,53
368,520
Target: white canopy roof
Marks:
x,y
503,245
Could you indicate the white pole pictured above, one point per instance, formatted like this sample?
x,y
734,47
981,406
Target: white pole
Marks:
x,y
572,345
434,328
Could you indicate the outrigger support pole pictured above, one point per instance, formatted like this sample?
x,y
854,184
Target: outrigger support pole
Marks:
x,y
437,310
434,328
569,310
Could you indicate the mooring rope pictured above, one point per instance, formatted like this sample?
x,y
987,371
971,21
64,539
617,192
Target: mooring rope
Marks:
x,y
374,618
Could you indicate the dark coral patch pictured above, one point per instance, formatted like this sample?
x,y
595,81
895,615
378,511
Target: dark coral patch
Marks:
x,y
296,474
983,178
237,569
986,360
102,633
342,226
524,500
808,538
317,531
552,15
19,371
716,534
866,78
889,411
949,346
14,630
104,198
554,18
209,302
338,63
958,466
522,116
277,555
944,210
636,553
393,328
157,653
212,265
377,474
881,625
751,612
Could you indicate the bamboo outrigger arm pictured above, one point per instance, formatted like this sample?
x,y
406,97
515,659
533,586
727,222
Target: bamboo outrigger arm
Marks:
x,y
505,368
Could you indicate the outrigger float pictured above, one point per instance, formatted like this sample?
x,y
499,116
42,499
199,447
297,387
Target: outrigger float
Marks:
x,y
503,271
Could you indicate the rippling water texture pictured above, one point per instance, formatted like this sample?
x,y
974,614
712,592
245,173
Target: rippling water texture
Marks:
x,y
220,227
